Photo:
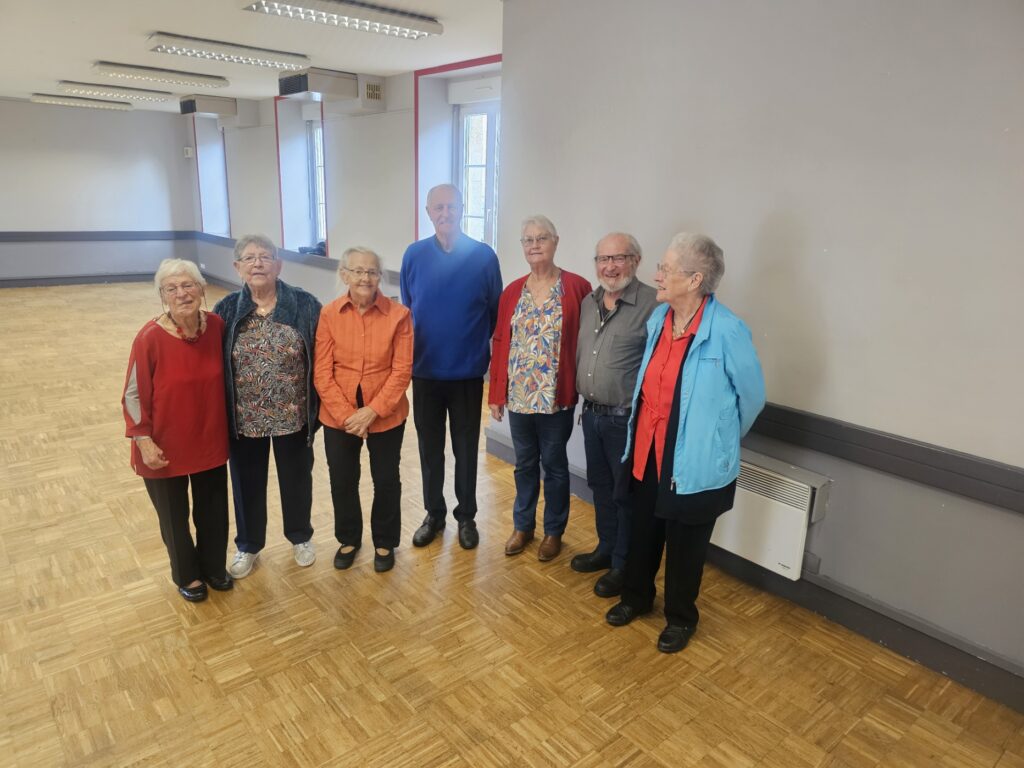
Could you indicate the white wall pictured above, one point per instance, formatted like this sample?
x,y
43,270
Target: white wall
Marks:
x,y
69,168
369,175
253,187
860,163
436,126
369,168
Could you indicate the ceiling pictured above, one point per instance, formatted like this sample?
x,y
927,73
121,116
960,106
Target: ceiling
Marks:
x,y
43,42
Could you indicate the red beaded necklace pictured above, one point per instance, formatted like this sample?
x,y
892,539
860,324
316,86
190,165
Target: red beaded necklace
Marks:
x,y
181,332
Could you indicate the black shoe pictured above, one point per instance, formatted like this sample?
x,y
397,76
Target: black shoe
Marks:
x,y
591,562
469,536
428,529
620,614
609,585
382,563
221,583
673,639
193,594
343,560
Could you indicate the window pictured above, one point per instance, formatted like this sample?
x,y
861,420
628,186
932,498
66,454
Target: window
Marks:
x,y
477,142
317,186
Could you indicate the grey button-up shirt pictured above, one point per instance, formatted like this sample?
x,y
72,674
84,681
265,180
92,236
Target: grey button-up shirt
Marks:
x,y
609,351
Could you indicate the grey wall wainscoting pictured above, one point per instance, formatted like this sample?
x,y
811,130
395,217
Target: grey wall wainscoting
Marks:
x,y
931,570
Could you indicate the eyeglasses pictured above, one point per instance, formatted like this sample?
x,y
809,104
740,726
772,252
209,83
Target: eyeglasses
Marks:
x,y
539,240
263,258
373,274
170,290
618,259
669,271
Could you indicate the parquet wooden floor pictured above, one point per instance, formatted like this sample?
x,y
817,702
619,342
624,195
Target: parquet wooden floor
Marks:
x,y
453,659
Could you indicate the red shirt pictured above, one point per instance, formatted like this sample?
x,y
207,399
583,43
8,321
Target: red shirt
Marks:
x,y
174,393
657,391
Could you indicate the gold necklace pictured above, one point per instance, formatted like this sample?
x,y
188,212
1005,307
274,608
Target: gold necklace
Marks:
x,y
678,333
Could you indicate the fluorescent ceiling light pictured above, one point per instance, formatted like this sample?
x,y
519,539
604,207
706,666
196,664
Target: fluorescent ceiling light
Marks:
x,y
111,91
353,14
72,101
153,74
214,50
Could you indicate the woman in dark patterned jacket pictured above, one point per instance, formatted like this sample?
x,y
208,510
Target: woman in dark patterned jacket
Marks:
x,y
270,330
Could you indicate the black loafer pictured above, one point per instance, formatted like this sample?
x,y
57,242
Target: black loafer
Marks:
x,y
469,536
221,583
193,594
343,560
620,614
609,585
591,562
428,529
382,563
673,638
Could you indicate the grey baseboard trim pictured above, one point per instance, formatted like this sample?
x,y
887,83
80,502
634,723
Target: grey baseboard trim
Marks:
x,y
956,659
226,284
967,668
215,239
95,236
973,477
34,282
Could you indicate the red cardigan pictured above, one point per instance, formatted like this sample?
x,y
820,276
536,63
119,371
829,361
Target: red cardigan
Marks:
x,y
574,290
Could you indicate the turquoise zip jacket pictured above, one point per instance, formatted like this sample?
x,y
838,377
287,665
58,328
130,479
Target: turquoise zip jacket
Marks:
x,y
720,395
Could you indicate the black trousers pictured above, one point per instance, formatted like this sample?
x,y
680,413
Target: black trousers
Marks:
x,y
250,462
205,557
685,547
343,461
460,402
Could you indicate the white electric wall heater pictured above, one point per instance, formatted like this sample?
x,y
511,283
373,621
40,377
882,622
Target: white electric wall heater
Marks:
x,y
775,503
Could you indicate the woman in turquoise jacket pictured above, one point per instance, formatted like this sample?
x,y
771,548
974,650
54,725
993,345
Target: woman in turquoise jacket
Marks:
x,y
698,392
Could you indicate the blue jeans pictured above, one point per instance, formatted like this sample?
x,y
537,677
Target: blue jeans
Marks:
x,y
539,440
604,439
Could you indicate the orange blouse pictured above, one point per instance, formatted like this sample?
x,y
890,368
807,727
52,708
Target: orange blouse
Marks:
x,y
372,351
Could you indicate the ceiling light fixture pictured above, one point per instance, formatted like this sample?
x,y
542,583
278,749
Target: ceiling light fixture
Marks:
x,y
72,101
214,50
353,14
156,75
111,91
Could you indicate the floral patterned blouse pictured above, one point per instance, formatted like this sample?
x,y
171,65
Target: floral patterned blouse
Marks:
x,y
533,352
270,368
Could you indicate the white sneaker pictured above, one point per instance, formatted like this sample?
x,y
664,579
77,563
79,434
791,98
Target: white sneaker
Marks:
x,y
242,565
305,554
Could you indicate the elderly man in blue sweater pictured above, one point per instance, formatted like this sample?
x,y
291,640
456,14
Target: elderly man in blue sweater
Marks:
x,y
451,283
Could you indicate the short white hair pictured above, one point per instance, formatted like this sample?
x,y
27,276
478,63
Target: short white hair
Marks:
x,y
346,257
170,267
541,222
710,258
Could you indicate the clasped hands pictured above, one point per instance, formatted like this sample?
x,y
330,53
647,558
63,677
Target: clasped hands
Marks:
x,y
358,423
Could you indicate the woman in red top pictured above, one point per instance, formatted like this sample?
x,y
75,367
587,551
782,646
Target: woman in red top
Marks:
x,y
175,414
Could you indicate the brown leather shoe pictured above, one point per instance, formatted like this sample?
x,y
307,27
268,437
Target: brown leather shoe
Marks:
x,y
549,548
517,542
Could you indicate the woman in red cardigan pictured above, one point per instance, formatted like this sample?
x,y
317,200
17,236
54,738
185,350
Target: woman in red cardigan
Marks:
x,y
533,374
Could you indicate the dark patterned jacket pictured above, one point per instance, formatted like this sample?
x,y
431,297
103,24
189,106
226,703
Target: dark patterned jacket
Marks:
x,y
296,308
